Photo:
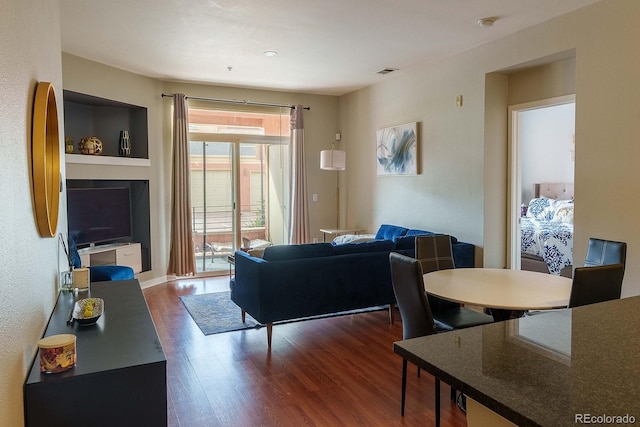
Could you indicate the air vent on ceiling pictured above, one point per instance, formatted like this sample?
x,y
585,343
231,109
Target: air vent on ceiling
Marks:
x,y
387,71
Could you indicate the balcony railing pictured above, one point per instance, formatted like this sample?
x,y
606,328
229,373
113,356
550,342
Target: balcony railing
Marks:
x,y
214,219
213,229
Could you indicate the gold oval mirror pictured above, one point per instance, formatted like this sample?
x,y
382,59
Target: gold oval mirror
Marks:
x,y
45,159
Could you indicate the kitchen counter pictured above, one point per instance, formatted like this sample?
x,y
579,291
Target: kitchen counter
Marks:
x,y
548,369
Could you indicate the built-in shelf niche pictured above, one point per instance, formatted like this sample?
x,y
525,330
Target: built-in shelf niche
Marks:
x,y
87,115
140,210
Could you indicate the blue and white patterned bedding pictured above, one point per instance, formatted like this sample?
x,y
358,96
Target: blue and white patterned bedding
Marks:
x,y
549,239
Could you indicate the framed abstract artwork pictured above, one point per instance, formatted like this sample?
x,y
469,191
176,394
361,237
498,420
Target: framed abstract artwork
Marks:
x,y
397,150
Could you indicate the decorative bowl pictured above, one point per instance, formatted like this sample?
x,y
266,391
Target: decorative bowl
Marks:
x,y
90,145
87,311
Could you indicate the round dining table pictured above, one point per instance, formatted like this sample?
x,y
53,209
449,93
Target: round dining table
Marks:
x,y
501,290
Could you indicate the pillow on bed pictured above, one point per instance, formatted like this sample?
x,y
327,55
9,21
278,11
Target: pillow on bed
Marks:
x,y
563,211
540,208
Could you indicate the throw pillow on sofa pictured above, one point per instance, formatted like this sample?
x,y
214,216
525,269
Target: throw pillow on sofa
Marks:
x,y
390,232
364,247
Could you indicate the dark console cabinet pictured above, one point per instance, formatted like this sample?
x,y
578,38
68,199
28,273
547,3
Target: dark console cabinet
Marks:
x,y
120,374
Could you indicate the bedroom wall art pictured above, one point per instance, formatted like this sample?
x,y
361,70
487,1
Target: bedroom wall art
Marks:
x,y
397,150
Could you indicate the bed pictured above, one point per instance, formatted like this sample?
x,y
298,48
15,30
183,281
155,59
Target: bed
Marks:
x,y
547,229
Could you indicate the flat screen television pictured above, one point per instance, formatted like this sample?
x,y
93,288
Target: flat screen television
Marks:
x,y
99,215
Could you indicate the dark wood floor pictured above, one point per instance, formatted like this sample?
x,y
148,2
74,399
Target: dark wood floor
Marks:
x,y
338,371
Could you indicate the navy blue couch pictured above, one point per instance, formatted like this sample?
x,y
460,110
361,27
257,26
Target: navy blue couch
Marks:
x,y
294,281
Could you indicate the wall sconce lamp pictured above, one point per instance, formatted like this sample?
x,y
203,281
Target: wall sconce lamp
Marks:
x,y
333,160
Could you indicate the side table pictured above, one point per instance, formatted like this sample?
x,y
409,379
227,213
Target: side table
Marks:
x,y
338,231
231,259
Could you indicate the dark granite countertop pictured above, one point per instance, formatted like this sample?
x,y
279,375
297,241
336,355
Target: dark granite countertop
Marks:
x,y
544,369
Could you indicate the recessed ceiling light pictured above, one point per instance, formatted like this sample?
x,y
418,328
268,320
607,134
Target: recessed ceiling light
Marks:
x,y
270,53
487,22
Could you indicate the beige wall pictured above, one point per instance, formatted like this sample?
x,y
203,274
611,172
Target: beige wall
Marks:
x,y
29,264
530,82
463,186
448,194
546,137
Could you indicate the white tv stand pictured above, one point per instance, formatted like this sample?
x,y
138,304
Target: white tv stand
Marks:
x,y
127,254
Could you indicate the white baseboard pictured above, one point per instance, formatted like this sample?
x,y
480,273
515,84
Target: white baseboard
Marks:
x,y
154,282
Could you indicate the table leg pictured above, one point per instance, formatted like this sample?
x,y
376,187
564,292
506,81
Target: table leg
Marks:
x,y
501,314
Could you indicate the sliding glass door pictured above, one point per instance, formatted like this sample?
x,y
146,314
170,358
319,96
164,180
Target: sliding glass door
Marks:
x,y
212,203
239,184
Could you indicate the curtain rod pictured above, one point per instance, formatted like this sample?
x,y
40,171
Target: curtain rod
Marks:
x,y
236,101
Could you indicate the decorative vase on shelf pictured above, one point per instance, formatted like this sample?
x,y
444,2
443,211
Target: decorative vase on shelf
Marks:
x,y
68,141
90,145
125,144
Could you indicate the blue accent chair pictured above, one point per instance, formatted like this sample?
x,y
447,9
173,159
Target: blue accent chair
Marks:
x,y
100,273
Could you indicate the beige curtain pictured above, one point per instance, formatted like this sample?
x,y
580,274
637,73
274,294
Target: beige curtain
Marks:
x,y
299,207
182,255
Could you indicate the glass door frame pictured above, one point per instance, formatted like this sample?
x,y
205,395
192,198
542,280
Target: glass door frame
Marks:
x,y
235,142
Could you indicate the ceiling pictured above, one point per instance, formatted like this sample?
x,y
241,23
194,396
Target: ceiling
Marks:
x,y
327,47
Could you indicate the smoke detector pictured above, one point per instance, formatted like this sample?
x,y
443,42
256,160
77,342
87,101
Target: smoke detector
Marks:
x,y
487,22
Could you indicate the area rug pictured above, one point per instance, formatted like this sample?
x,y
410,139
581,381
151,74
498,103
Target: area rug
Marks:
x,y
215,313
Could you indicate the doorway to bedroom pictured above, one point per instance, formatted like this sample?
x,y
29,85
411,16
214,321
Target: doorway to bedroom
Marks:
x,y
542,150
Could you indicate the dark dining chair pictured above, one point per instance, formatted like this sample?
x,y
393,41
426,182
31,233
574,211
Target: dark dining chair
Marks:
x,y
415,311
601,252
435,253
596,284
417,320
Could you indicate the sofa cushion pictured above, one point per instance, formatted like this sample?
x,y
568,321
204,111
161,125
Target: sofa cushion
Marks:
x,y
390,232
364,247
289,252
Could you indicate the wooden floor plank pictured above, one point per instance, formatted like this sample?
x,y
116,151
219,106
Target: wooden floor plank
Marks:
x,y
323,372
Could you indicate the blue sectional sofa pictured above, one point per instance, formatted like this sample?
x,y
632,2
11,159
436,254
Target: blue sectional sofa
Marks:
x,y
294,281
